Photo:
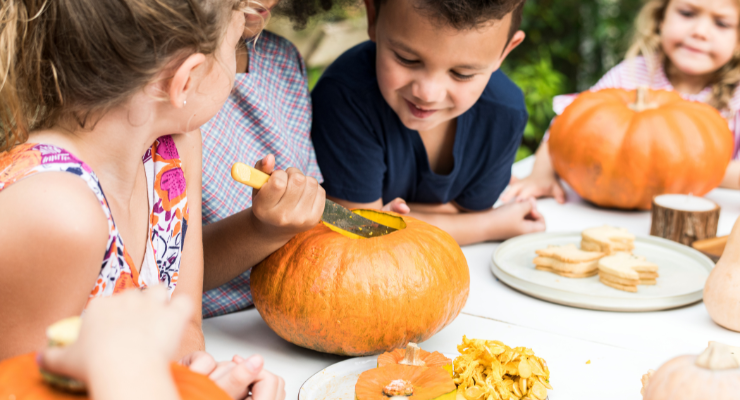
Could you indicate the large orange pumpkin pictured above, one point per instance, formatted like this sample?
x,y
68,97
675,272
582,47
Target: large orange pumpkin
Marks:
x,y
619,148
20,380
351,296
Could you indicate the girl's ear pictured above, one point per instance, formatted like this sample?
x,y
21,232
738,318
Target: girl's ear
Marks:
x,y
182,83
371,18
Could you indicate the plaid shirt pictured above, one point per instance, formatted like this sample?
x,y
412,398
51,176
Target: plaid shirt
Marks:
x,y
268,112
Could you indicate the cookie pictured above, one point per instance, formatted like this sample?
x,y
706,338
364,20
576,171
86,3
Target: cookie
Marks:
x,y
568,261
615,285
625,271
628,266
607,239
569,253
567,274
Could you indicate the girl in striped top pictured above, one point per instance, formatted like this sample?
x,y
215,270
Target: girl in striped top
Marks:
x,y
690,46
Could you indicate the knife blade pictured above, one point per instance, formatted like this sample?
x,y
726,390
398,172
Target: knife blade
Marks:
x,y
334,214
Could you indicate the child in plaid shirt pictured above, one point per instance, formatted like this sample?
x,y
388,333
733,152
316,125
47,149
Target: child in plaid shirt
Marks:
x,y
267,118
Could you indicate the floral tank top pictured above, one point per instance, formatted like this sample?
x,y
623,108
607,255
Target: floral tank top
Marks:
x,y
168,218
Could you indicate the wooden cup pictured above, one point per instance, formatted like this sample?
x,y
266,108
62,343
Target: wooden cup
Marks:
x,y
684,218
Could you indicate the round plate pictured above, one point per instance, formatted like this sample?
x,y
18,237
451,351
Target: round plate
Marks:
x,y
682,271
337,381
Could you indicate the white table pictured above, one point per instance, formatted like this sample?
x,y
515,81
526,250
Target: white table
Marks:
x,y
620,346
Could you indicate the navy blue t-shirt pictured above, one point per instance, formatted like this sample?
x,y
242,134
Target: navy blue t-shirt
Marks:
x,y
366,153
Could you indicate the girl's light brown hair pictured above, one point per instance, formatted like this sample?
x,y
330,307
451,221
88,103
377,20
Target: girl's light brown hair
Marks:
x,y
646,42
70,59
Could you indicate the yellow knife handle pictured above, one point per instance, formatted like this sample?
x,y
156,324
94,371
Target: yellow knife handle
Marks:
x,y
249,176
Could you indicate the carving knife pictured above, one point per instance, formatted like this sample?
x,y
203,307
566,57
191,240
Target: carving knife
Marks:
x,y
334,214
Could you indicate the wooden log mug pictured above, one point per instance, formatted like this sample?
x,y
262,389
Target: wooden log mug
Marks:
x,y
684,218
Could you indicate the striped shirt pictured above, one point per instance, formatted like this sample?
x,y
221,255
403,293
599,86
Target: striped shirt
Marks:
x,y
268,112
633,73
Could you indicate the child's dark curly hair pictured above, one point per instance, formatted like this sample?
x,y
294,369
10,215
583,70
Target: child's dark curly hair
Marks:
x,y
300,11
469,14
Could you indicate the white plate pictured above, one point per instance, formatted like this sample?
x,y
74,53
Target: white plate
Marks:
x,y
337,381
682,270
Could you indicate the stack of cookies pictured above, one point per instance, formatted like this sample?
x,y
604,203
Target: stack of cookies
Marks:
x,y
607,239
624,271
568,261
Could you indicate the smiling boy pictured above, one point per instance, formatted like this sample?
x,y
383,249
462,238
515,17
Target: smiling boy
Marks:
x,y
422,115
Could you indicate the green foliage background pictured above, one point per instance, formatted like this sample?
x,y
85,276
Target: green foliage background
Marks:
x,y
570,44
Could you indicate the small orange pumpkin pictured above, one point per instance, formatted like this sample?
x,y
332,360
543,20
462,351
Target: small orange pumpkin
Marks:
x,y
413,355
329,292
20,379
399,381
618,152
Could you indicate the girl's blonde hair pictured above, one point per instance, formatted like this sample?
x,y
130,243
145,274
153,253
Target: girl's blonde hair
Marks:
x,y
646,42
70,59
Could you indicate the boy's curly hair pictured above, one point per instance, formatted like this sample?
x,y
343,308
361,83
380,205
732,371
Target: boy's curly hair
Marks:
x,y
300,11
469,14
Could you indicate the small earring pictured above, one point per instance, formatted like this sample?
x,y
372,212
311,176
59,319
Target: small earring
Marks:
x,y
184,102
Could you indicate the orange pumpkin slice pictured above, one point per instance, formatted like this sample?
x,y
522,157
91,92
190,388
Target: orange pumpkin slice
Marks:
x,y
413,355
397,381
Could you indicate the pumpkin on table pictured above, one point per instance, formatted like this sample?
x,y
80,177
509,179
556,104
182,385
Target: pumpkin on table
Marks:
x,y
413,355
329,292
714,374
619,148
405,382
722,289
21,379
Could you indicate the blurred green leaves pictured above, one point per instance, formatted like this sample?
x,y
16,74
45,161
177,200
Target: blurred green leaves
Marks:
x,y
570,44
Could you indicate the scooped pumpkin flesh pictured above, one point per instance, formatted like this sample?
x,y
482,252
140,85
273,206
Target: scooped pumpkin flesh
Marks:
x,y
430,360
411,382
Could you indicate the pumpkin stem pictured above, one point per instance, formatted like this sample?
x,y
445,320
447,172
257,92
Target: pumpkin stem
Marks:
x,y
412,356
641,103
717,356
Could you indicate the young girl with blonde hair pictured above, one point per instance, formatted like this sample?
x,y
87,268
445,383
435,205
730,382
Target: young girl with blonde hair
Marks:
x,y
690,46
100,160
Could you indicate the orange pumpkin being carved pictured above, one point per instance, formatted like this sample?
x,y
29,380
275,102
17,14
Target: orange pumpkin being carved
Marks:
x,y
326,291
619,148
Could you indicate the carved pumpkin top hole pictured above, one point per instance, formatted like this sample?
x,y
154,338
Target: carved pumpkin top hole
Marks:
x,y
377,216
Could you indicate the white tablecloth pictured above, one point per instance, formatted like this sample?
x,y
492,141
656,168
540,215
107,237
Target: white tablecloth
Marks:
x,y
591,354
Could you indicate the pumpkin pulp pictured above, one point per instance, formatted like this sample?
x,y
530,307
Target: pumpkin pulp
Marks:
x,y
425,383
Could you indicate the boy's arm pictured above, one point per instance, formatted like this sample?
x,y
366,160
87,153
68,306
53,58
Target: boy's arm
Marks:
x,y
732,176
542,182
469,227
288,204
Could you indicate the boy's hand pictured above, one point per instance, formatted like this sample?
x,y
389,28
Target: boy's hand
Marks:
x,y
239,376
289,203
397,205
534,186
516,219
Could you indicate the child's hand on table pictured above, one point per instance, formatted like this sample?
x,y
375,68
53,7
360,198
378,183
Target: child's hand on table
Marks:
x,y
535,185
239,376
397,205
289,203
518,218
